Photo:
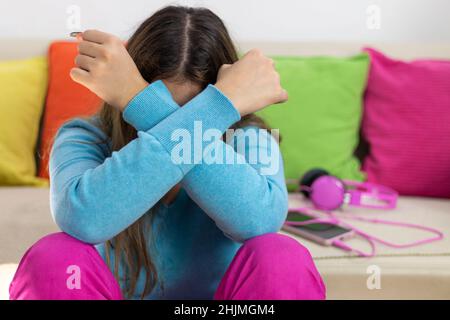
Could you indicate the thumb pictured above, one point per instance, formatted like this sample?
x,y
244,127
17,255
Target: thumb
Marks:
x,y
225,67
222,70
282,97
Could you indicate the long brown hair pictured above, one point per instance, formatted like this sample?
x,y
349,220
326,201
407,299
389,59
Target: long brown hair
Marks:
x,y
176,42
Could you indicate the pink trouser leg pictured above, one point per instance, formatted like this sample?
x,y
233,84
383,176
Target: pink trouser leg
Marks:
x,y
271,267
59,267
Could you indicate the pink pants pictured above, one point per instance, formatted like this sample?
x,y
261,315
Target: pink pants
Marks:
x,y
271,266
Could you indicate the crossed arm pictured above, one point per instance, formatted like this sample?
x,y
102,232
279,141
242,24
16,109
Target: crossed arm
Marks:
x,y
94,198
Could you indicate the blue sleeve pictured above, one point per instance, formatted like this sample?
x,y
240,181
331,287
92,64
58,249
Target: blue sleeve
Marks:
x,y
96,194
244,198
150,106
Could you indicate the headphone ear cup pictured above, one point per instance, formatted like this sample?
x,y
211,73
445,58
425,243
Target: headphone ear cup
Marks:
x,y
327,193
309,177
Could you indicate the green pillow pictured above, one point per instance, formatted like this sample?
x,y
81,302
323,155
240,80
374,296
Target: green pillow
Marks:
x,y
319,125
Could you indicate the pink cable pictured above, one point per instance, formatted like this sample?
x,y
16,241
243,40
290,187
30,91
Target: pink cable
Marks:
x,y
334,220
439,234
342,245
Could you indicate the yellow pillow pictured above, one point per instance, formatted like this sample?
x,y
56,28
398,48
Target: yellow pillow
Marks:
x,y
23,85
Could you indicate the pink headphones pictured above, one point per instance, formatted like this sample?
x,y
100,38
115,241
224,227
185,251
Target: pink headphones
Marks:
x,y
327,192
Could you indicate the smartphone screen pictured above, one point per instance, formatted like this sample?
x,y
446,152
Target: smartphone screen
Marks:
x,y
322,230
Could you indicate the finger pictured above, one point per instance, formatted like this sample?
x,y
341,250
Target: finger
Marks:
x,y
96,36
76,34
84,62
90,49
284,96
272,62
281,97
254,51
79,75
225,66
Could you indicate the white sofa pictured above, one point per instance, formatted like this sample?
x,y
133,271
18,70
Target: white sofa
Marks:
x,y
421,272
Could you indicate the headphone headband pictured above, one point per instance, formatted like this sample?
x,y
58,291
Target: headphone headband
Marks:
x,y
329,193
370,195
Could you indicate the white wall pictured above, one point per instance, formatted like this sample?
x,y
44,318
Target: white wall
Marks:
x,y
408,21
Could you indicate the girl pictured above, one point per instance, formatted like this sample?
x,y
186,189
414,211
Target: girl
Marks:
x,y
165,229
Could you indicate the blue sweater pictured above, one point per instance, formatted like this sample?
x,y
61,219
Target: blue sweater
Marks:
x,y
96,193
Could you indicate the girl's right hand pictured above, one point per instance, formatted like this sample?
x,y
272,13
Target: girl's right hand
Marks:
x,y
104,66
252,83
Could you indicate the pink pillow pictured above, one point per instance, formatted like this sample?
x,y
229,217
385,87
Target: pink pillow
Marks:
x,y
407,125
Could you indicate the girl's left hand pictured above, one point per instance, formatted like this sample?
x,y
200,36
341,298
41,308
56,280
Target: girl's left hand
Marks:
x,y
104,66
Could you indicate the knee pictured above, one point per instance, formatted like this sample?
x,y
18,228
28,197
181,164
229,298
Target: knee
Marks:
x,y
54,250
47,262
56,265
281,257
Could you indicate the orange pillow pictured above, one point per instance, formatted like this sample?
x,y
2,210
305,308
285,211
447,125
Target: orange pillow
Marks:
x,y
66,99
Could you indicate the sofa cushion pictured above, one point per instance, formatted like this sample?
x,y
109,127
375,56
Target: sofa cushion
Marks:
x,y
66,99
319,124
23,85
406,123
